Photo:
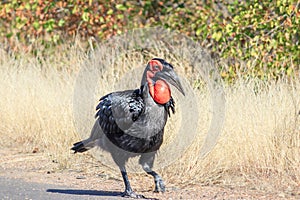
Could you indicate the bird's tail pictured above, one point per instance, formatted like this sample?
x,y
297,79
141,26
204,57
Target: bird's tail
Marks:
x,y
83,145
91,142
79,147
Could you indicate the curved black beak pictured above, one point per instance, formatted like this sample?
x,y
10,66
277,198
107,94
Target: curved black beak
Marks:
x,y
171,77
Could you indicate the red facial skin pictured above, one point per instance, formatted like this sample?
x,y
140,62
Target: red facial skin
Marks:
x,y
155,66
159,90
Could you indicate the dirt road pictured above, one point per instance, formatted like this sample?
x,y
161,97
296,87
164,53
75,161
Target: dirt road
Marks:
x,y
35,176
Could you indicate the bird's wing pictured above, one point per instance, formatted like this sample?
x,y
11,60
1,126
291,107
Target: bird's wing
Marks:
x,y
119,110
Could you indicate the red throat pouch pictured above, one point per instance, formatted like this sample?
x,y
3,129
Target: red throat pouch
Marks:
x,y
162,92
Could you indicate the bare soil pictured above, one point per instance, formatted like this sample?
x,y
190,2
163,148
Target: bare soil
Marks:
x,y
39,168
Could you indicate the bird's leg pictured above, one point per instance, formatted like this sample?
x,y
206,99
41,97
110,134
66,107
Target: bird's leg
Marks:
x,y
147,163
128,190
158,181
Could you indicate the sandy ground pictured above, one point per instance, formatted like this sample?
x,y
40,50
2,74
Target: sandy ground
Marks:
x,y
39,168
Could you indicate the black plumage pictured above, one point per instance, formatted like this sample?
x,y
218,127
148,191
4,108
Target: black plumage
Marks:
x,y
131,123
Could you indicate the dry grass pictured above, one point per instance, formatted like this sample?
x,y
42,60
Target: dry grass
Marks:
x,y
259,145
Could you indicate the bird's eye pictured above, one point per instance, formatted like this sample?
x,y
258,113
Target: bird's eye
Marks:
x,y
155,65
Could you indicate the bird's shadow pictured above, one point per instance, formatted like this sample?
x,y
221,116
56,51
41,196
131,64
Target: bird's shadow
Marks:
x,y
91,192
86,192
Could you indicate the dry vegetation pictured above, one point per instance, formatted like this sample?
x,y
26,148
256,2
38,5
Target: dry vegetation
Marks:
x,y
259,146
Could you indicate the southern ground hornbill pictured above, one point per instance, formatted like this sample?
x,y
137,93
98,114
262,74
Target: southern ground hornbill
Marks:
x,y
131,123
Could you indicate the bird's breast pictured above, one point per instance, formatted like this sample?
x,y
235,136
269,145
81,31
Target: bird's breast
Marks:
x,y
150,123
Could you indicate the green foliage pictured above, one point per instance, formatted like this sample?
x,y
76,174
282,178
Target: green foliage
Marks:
x,y
254,38
35,19
264,35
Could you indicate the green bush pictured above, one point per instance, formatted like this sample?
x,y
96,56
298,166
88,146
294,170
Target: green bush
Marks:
x,y
253,38
53,21
264,35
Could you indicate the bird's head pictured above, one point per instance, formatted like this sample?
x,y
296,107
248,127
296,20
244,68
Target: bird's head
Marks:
x,y
158,75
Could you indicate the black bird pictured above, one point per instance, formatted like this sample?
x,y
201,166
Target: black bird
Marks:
x,y
131,123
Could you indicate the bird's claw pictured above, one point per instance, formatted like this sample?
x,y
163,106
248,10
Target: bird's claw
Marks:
x,y
159,186
131,194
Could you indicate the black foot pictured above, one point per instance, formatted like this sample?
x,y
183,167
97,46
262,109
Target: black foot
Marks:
x,y
131,194
159,185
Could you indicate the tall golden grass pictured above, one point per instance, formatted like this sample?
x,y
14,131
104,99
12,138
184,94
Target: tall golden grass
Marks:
x,y
259,144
